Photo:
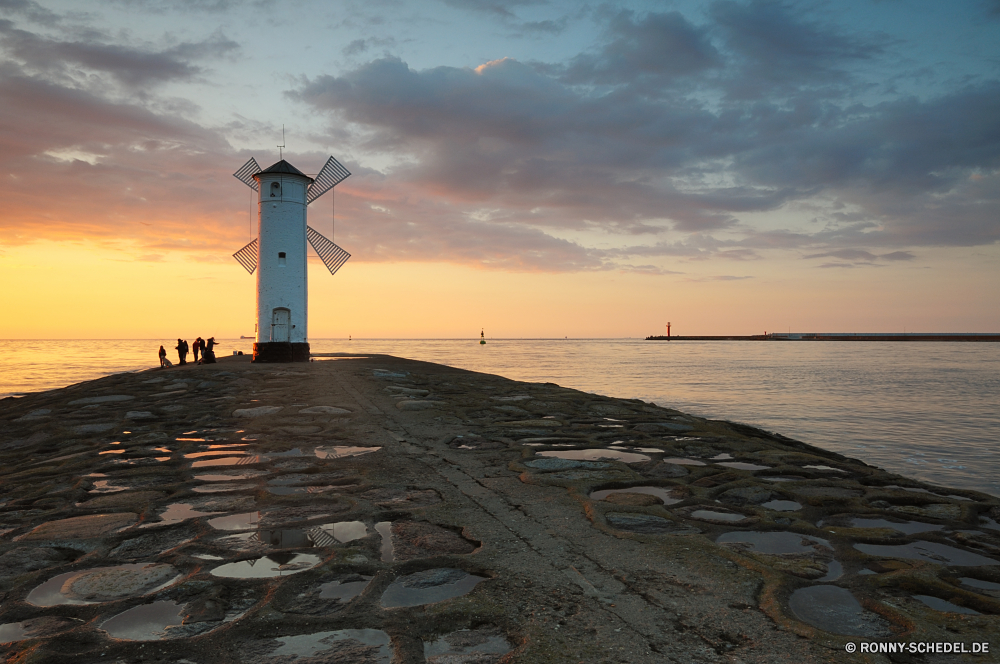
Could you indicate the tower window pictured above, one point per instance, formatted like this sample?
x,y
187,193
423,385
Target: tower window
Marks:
x,y
281,258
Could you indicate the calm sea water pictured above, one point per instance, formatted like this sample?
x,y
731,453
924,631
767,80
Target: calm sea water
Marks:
x,y
926,410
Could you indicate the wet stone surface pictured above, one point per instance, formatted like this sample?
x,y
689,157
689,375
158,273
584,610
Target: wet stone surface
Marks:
x,y
480,646
242,512
835,610
428,587
646,524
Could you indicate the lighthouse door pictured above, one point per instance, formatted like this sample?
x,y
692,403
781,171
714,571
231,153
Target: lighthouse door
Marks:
x,y
279,325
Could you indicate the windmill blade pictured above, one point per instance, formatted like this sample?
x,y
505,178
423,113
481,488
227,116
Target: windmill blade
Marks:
x,y
247,256
246,173
332,174
333,257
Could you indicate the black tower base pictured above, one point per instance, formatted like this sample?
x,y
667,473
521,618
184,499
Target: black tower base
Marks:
x,y
277,351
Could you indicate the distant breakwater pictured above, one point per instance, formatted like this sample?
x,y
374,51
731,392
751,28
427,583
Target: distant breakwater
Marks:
x,y
834,337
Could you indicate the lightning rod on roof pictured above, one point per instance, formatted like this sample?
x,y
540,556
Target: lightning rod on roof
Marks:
x,y
280,147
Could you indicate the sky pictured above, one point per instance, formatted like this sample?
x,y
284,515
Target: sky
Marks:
x,y
531,168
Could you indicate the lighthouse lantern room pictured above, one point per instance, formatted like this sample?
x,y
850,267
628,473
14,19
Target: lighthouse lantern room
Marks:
x,y
278,254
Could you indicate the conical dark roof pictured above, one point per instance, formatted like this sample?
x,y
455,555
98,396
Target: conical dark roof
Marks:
x,y
284,167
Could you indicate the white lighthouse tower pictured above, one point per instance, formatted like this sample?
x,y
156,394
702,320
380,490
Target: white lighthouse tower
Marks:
x,y
278,254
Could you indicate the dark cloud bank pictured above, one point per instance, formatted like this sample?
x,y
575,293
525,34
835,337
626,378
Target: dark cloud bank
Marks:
x,y
663,138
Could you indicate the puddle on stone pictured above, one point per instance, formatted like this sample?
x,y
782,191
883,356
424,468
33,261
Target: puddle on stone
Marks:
x,y
594,455
323,646
774,543
945,606
344,591
176,513
908,527
986,522
979,584
229,461
148,622
106,486
329,534
743,465
466,646
782,505
834,570
192,440
384,529
826,468
112,452
275,564
215,453
919,490
285,538
297,490
429,586
103,584
684,461
660,492
230,477
780,478
647,524
551,463
207,556
835,610
243,521
35,628
725,456
942,554
619,445
10,632
222,487
225,446
341,451
709,515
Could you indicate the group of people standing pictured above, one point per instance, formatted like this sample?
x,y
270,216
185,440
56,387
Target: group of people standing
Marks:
x,y
206,348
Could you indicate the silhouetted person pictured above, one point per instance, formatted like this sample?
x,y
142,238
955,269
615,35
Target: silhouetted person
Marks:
x,y
196,347
208,355
164,362
182,351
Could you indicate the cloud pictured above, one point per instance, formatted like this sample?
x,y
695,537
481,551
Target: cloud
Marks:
x,y
520,139
30,10
735,136
774,49
658,45
132,67
721,277
860,257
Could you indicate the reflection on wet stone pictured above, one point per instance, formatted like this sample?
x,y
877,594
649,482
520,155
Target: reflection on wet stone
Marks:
x,y
41,627
149,622
482,646
354,646
563,464
275,564
664,495
647,524
102,584
429,586
933,552
384,529
329,596
835,610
